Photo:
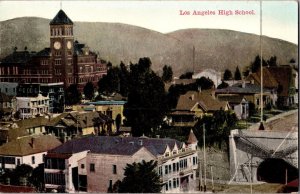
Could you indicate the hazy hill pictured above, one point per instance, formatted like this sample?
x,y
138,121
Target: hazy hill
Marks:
x,y
115,42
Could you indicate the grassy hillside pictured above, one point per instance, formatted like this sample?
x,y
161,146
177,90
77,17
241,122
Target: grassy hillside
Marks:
x,y
116,42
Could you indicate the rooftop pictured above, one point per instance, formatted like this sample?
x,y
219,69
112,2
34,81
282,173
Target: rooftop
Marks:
x,y
61,18
29,145
116,145
248,88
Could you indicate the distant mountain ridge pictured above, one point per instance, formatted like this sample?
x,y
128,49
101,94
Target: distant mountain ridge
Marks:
x,y
115,42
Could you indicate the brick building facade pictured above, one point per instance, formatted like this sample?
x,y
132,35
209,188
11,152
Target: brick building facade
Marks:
x,y
66,60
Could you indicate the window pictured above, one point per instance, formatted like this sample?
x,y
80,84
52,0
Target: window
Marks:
x,y
18,161
82,166
33,160
166,169
114,169
167,188
44,155
92,167
110,184
170,184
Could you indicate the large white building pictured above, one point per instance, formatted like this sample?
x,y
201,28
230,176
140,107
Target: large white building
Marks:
x,y
96,163
212,74
33,106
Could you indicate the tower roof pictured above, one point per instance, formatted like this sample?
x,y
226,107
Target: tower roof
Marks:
x,y
61,18
192,138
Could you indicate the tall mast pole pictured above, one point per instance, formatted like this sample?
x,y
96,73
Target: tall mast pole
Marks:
x,y
204,157
261,66
193,59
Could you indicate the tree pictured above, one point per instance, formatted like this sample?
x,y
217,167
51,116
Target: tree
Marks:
x,y
237,74
227,75
140,178
272,61
88,90
146,105
204,83
110,82
118,121
167,73
72,95
223,85
187,75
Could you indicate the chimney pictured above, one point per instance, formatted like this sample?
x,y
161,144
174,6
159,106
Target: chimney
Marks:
x,y
243,84
157,136
199,89
192,97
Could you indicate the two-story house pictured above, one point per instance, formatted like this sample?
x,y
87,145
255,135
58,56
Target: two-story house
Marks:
x,y
193,105
95,163
32,106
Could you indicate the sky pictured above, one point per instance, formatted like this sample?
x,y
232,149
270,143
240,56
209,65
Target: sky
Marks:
x,y
279,18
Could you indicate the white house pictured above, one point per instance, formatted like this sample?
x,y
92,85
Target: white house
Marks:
x,y
32,106
238,104
212,74
28,150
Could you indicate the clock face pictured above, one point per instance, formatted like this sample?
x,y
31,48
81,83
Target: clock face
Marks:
x,y
69,44
57,45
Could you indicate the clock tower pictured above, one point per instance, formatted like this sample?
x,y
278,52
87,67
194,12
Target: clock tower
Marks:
x,y
62,48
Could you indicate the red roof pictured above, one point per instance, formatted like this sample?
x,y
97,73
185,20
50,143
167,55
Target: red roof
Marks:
x,y
16,189
293,183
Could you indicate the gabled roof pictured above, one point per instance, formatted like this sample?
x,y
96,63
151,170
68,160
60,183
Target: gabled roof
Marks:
x,y
61,18
204,99
29,145
116,145
284,77
269,80
192,138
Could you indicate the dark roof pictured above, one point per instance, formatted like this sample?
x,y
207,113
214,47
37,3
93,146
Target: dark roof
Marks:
x,y
239,89
204,98
82,119
61,18
234,99
16,189
44,53
23,146
21,57
116,145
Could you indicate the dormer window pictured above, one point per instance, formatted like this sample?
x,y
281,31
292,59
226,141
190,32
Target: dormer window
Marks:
x,y
174,152
167,154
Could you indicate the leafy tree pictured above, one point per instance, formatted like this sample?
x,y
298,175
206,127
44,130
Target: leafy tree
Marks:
x,y
167,73
272,61
227,75
140,178
204,83
146,104
111,82
124,79
88,90
217,127
72,95
292,60
223,85
237,74
187,75
37,177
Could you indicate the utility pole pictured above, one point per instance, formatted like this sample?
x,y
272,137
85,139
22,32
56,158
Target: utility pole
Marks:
x,y
286,176
200,178
261,67
212,179
204,157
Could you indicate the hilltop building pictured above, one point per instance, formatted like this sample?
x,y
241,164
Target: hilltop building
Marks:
x,y
66,60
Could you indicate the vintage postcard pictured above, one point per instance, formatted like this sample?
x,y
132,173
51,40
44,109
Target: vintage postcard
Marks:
x,y
129,96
